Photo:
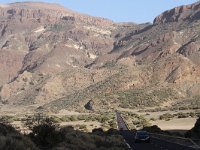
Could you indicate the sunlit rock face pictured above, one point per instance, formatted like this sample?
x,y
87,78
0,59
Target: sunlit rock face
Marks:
x,y
182,13
57,58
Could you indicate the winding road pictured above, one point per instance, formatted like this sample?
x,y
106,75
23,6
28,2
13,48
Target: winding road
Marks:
x,y
155,144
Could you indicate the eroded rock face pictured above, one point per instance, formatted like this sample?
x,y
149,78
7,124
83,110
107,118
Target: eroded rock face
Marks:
x,y
49,38
182,13
54,57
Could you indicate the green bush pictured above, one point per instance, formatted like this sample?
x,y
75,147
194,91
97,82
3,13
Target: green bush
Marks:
x,y
73,118
46,135
183,115
152,119
35,120
166,116
56,119
7,119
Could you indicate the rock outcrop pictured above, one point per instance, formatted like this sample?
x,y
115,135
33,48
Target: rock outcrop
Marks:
x,y
182,13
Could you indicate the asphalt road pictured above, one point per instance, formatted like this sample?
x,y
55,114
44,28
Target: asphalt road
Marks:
x,y
155,144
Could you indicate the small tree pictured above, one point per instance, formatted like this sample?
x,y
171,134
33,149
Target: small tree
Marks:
x,y
36,120
46,135
45,132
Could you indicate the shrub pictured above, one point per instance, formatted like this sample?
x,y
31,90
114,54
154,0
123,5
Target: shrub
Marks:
x,y
37,119
98,131
83,127
152,119
182,115
55,119
166,116
11,139
16,142
46,135
73,118
65,119
7,119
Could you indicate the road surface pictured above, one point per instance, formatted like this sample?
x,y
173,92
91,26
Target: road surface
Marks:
x,y
155,144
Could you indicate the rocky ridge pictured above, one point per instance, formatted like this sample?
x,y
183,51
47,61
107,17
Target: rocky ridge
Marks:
x,y
182,13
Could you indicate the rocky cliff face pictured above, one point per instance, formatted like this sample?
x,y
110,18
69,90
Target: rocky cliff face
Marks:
x,y
56,58
31,33
182,13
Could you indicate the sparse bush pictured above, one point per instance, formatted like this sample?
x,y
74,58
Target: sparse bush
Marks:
x,y
191,114
73,118
112,124
98,131
183,115
46,135
65,118
16,142
140,98
7,119
35,120
11,139
55,119
31,83
82,127
166,116
152,119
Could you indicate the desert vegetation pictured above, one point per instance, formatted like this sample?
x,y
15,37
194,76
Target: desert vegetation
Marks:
x,y
192,103
141,98
83,122
45,134
135,121
137,98
169,116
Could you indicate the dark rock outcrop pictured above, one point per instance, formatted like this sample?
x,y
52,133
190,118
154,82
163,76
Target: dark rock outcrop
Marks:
x,y
89,105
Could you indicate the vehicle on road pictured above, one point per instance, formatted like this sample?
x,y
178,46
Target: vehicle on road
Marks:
x,y
142,136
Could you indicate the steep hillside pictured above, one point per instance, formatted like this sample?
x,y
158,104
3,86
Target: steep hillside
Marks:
x,y
54,58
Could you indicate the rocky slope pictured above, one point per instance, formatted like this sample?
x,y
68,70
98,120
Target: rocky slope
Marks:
x,y
182,13
54,58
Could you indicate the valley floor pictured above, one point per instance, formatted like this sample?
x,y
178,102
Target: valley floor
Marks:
x,y
88,121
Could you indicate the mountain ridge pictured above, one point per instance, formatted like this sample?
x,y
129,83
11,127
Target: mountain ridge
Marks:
x,y
59,59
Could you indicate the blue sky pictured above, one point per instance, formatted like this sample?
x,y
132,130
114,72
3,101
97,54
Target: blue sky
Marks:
x,y
138,11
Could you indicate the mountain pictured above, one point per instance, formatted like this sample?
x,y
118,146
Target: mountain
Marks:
x,y
53,58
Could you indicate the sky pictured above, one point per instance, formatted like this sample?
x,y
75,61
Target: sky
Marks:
x,y
137,11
